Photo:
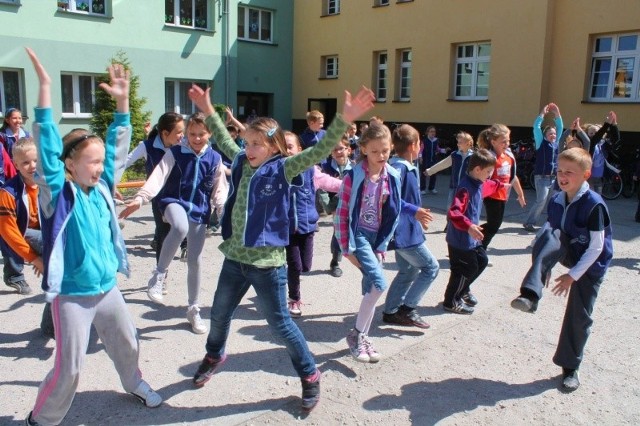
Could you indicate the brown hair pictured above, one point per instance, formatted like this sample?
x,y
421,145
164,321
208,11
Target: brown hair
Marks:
x,y
313,116
196,118
491,133
375,131
75,141
273,134
22,145
289,133
403,137
482,158
579,156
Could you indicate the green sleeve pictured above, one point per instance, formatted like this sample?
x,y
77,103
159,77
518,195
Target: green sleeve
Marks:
x,y
222,136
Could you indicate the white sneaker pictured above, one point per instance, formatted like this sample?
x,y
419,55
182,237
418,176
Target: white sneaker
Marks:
x,y
147,395
434,191
154,288
197,324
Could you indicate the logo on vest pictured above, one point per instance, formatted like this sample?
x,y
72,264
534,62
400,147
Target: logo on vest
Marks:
x,y
268,190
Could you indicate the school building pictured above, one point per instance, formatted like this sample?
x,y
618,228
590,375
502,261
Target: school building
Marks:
x,y
469,63
240,49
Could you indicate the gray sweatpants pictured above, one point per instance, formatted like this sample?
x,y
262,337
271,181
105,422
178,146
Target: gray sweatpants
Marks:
x,y
72,317
181,227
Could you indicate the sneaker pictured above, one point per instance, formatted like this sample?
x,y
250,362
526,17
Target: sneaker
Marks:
x,y
154,287
355,340
434,191
335,270
408,317
423,192
21,287
524,304
183,255
469,299
374,356
311,391
458,307
197,324
529,227
154,244
29,421
294,308
570,380
490,264
165,289
147,395
207,367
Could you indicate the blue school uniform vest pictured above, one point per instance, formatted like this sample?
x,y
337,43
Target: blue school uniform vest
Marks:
x,y
409,232
546,156
303,215
154,154
461,239
459,166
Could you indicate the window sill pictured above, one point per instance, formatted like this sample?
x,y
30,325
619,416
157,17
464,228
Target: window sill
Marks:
x,y
401,101
266,43
328,78
17,4
84,14
326,15
380,101
375,6
187,28
611,101
467,100
71,116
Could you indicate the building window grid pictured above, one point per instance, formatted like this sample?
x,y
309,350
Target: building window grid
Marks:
x,y
78,95
91,7
473,65
176,98
615,66
381,76
11,90
405,75
187,13
331,66
255,24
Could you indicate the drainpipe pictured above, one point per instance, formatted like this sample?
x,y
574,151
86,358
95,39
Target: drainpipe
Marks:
x,y
227,64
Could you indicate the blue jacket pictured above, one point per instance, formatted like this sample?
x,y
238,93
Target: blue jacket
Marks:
x,y
461,239
303,215
310,138
572,220
546,159
267,215
15,187
155,151
409,232
459,166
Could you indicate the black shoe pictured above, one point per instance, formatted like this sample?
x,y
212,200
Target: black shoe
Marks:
x,y
29,421
407,317
311,391
21,287
154,244
570,380
458,307
335,270
207,367
524,304
469,299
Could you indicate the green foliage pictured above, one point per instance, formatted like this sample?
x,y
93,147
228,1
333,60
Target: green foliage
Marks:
x,y
105,106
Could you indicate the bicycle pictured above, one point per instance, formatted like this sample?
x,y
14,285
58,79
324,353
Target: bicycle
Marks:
x,y
611,182
524,153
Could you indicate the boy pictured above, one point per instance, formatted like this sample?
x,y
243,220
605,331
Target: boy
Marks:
x,y
578,235
417,267
464,237
314,131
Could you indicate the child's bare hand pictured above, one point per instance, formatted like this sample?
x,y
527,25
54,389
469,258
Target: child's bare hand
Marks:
x,y
563,285
424,216
356,106
229,112
521,200
354,260
147,128
201,99
38,266
129,208
44,92
475,232
118,88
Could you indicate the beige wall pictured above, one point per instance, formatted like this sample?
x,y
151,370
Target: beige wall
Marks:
x,y
539,53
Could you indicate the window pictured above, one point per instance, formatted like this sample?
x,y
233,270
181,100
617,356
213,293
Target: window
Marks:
x,y
176,97
381,76
330,7
255,24
92,7
11,90
473,62
329,67
16,2
187,13
78,95
404,76
614,69
380,3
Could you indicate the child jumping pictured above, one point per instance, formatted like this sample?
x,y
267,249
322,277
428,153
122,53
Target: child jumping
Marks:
x,y
254,250
578,235
83,248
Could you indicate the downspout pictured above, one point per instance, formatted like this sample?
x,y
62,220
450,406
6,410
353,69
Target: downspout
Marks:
x,y
227,64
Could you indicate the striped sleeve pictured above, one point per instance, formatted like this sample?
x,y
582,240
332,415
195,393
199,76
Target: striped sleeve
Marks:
x,y
341,216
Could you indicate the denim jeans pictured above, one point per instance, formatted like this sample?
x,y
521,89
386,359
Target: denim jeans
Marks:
x,y
417,268
543,189
370,266
13,267
270,285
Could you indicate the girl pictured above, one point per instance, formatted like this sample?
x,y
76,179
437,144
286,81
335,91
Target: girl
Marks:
x,y
11,129
496,140
369,205
183,182
600,147
83,248
303,222
254,249
545,165
168,132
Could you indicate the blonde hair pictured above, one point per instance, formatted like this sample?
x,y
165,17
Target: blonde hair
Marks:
x,y
492,133
289,133
313,116
403,137
465,137
579,156
272,133
375,131
22,145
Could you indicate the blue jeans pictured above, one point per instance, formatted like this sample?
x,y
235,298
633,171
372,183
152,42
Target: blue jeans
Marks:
x,y
543,188
417,268
270,285
370,266
14,267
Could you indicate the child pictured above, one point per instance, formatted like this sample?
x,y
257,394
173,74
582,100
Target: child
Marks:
x,y
254,250
600,147
430,152
545,164
369,206
11,129
303,222
183,182
467,256
314,131
578,235
496,140
337,165
83,249
417,267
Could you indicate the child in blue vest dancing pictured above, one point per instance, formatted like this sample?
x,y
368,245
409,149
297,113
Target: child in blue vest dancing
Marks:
x,y
83,248
183,181
255,229
369,206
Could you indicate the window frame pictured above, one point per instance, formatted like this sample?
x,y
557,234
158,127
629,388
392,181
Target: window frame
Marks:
x,y
180,97
245,35
473,61
331,7
402,66
4,104
188,22
72,6
77,95
381,3
330,67
614,56
378,78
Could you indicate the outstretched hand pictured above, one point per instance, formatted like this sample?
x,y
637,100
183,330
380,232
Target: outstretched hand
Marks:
x,y
118,88
201,99
356,106
129,208
424,217
44,93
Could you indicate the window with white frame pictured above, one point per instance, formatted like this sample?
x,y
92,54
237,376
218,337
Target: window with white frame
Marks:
x,y
11,89
404,75
255,24
330,7
78,94
381,2
92,7
381,76
472,71
330,66
615,66
187,13
176,98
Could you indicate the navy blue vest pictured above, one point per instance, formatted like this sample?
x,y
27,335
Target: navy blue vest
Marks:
x,y
154,155
461,239
409,232
303,215
546,156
